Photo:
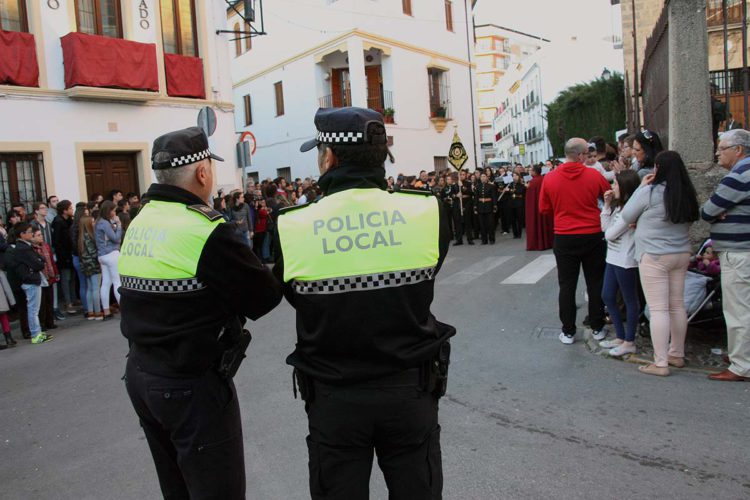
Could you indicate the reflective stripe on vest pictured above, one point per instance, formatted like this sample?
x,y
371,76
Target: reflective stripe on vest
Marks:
x,y
360,239
162,247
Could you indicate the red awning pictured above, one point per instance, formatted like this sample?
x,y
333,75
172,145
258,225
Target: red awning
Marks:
x,y
18,65
100,61
184,76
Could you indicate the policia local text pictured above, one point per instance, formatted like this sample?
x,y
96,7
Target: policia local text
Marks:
x,y
363,222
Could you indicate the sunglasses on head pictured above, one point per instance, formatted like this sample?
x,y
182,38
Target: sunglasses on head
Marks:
x,y
648,135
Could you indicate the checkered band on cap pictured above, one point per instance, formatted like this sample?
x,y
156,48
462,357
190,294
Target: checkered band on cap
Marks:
x,y
341,137
191,158
363,282
162,286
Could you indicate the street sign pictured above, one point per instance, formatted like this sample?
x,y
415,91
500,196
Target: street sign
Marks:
x,y
457,155
207,120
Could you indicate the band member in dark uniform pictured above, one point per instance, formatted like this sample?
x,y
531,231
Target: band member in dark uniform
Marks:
x,y
485,206
463,221
475,182
517,192
448,194
503,208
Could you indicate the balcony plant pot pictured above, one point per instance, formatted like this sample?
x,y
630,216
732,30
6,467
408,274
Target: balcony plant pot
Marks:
x,y
439,123
389,115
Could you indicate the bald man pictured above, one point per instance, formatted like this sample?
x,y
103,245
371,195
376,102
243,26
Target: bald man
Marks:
x,y
571,193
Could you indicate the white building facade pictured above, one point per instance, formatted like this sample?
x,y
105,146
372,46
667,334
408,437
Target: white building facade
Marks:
x,y
411,60
94,83
498,49
520,125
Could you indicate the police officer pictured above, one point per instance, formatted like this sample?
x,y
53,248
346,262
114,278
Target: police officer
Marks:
x,y
186,278
359,267
485,206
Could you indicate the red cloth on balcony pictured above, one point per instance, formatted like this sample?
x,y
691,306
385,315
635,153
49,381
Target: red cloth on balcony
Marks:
x,y
184,76
18,65
100,61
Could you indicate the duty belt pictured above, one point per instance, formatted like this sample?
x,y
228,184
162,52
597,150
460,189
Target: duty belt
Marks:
x,y
485,199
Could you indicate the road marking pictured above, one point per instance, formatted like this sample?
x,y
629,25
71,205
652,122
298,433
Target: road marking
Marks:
x,y
474,271
532,272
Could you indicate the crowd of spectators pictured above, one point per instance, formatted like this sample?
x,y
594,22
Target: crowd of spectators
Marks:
x,y
59,260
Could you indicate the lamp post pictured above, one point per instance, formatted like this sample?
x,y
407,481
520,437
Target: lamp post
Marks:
x,y
606,74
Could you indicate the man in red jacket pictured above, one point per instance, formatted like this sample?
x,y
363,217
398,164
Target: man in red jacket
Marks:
x,y
571,193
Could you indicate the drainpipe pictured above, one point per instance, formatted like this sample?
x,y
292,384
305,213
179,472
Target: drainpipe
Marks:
x,y
469,48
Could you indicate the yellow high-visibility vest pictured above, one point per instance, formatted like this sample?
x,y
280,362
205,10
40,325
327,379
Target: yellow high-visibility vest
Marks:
x,y
367,235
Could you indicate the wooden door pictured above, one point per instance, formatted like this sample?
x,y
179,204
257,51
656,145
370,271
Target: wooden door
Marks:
x,y
374,77
108,171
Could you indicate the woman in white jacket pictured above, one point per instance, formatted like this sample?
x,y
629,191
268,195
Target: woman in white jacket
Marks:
x,y
622,268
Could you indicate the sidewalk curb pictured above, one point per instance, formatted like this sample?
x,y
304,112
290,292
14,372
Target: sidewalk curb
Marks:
x,y
593,346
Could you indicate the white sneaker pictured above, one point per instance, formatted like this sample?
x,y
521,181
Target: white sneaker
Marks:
x,y
622,350
610,344
567,339
600,334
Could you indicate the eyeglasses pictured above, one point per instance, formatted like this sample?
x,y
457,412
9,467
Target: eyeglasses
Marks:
x,y
720,149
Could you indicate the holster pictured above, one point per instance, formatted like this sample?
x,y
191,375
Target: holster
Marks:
x,y
304,384
438,370
237,340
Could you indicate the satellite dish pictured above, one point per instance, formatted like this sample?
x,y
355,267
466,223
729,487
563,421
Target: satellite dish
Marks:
x,y
207,120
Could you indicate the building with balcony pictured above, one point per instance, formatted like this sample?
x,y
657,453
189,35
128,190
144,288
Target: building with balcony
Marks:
x,y
409,60
520,128
86,86
496,51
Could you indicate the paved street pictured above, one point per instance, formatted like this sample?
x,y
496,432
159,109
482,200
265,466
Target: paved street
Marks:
x,y
525,416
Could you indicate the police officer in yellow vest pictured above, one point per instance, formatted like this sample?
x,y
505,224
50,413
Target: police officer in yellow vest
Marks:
x,y
359,267
185,275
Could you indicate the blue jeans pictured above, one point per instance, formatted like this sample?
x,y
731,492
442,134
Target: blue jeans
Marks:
x,y
92,301
33,302
82,283
625,280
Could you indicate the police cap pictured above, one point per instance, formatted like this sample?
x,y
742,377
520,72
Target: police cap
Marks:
x,y
347,126
180,148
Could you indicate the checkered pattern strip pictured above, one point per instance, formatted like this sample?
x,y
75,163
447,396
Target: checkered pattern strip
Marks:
x,y
363,282
162,286
341,137
191,158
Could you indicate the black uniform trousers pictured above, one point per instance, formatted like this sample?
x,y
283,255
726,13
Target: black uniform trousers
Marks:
x,y
193,427
487,226
506,213
463,223
398,420
448,210
517,215
573,252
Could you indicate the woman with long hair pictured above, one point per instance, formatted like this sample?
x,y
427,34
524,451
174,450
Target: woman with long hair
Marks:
x,y
108,234
242,217
646,146
81,211
621,273
662,208
90,267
